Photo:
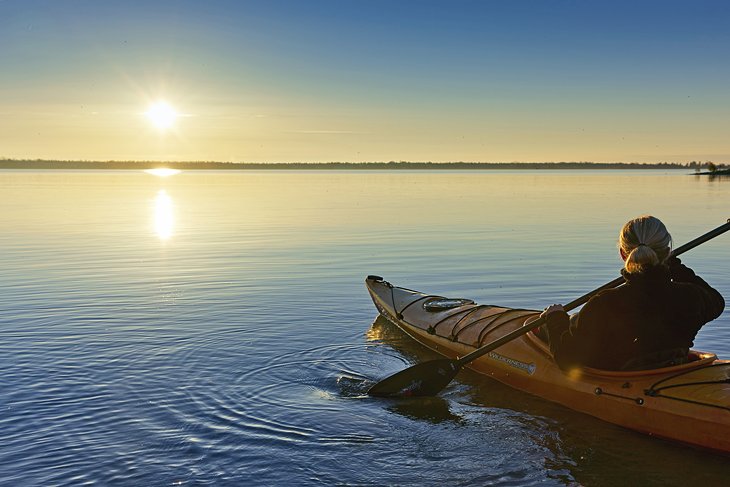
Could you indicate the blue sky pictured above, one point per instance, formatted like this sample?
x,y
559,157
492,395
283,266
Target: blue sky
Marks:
x,y
282,81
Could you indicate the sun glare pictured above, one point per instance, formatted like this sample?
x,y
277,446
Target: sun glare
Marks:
x,y
162,115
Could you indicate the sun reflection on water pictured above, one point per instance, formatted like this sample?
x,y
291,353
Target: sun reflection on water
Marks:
x,y
162,172
164,217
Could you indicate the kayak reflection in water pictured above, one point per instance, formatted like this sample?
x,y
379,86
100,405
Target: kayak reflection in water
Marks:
x,y
650,321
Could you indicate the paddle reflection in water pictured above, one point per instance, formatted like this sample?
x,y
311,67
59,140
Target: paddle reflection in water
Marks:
x,y
433,409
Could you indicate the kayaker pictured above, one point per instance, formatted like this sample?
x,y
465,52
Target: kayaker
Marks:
x,y
649,322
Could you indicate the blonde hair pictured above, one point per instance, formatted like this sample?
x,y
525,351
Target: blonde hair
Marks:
x,y
644,242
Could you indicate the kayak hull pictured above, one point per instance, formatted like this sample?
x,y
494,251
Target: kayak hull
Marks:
x,y
688,403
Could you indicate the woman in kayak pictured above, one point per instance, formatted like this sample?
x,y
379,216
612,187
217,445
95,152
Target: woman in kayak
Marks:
x,y
650,321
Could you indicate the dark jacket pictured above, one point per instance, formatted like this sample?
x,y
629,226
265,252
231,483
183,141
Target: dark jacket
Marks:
x,y
648,322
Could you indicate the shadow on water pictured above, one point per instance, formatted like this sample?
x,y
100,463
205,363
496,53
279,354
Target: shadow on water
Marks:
x,y
594,452
432,409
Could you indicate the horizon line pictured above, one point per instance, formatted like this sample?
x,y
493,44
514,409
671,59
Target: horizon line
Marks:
x,y
391,162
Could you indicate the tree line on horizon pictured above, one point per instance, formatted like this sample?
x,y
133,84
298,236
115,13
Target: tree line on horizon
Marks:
x,y
191,165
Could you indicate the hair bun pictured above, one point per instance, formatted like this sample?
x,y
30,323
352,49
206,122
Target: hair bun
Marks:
x,y
644,232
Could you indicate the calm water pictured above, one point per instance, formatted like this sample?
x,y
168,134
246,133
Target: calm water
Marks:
x,y
214,329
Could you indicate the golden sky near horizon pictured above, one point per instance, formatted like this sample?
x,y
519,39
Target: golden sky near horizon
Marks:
x,y
256,82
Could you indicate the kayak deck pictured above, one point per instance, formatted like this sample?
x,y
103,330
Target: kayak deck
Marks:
x,y
689,403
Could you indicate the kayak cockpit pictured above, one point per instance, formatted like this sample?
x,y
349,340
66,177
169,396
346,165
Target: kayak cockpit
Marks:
x,y
695,359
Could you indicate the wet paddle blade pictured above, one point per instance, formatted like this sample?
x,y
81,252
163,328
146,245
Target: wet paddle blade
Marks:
x,y
424,379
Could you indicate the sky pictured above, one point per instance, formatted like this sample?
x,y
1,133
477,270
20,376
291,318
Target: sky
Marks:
x,y
322,81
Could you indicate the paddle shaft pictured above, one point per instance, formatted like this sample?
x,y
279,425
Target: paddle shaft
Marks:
x,y
581,300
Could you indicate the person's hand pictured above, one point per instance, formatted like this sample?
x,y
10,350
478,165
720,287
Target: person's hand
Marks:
x,y
551,309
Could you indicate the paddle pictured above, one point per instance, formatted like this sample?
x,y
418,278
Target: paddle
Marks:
x,y
429,378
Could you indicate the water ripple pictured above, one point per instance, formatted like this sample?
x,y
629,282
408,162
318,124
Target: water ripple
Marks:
x,y
233,353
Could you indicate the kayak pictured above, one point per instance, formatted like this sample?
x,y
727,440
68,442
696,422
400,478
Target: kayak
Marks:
x,y
688,403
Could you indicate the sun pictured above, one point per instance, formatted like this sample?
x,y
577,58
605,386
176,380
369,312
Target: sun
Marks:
x,y
162,115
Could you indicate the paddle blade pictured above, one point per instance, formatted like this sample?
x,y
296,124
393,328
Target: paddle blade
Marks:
x,y
424,379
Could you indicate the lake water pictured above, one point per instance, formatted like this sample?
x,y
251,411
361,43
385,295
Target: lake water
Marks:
x,y
213,328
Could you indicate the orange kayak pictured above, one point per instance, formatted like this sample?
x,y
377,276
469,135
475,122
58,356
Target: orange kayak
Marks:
x,y
688,403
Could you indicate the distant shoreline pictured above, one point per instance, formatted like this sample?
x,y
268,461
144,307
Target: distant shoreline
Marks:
x,y
392,165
